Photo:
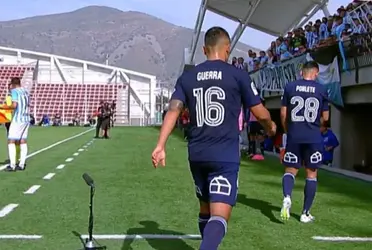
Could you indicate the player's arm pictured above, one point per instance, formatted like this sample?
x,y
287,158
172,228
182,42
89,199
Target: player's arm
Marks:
x,y
251,100
175,108
283,110
325,109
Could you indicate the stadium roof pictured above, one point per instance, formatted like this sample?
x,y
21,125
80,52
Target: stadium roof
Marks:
x,y
274,17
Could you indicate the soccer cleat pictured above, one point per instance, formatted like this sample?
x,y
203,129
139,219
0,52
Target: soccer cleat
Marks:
x,y
10,169
306,218
286,208
21,168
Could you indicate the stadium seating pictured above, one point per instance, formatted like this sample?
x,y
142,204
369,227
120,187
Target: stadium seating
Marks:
x,y
49,98
6,73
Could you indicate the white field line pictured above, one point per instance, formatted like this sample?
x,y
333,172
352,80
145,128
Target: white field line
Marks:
x,y
7,209
2,167
49,176
142,236
60,166
342,239
69,159
32,189
81,150
75,154
19,237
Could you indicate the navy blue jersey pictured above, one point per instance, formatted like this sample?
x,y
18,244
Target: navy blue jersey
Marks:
x,y
305,101
214,92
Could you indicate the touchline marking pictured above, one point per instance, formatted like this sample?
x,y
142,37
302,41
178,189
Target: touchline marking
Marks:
x,y
2,167
60,166
75,154
81,150
49,176
7,209
69,159
32,189
342,239
19,237
143,236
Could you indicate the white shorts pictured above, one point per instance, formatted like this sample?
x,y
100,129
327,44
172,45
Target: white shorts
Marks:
x,y
18,131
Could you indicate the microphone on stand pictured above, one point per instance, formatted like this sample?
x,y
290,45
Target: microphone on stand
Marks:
x,y
90,244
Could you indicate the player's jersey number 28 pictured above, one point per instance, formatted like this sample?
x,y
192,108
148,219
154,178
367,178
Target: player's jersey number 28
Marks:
x,y
209,112
310,107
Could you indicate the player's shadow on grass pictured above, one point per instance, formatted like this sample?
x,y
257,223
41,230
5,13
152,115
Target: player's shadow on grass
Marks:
x,y
151,228
266,208
5,161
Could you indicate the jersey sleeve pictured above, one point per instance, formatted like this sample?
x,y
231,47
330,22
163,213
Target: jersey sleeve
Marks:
x,y
14,95
285,97
179,93
249,93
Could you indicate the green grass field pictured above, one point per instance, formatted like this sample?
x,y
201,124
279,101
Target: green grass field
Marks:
x,y
133,198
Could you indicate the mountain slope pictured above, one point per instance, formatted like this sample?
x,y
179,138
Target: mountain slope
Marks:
x,y
131,40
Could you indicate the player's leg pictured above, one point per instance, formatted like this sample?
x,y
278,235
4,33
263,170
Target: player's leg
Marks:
x,y
223,188
98,127
313,161
292,161
23,146
200,176
14,135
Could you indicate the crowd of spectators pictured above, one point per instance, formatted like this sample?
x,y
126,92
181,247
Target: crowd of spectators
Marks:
x,y
352,20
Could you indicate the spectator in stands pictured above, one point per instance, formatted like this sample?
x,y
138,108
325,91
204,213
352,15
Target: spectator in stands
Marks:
x,y
323,29
359,28
282,52
330,142
298,40
263,58
234,61
76,120
57,120
44,121
240,63
270,57
32,120
91,121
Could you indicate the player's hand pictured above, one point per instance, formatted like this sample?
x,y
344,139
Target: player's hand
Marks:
x,y
272,130
158,156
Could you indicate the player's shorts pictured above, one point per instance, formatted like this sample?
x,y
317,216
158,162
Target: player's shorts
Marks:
x,y
18,131
299,154
216,181
255,128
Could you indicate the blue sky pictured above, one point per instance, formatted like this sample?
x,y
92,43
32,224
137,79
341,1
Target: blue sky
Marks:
x,y
164,9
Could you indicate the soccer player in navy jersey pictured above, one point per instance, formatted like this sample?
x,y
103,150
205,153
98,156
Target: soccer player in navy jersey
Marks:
x,y
214,92
304,109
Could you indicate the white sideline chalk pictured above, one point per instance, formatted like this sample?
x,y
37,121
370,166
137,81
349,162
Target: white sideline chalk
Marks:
x,y
342,239
49,176
19,237
32,189
143,236
60,166
69,159
2,167
7,209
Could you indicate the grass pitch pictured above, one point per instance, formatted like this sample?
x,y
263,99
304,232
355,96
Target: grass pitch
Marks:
x,y
133,198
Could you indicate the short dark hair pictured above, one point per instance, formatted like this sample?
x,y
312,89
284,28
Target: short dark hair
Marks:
x,y
15,81
213,36
310,65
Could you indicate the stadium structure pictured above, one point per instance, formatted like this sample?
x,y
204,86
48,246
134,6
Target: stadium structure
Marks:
x,y
70,86
254,14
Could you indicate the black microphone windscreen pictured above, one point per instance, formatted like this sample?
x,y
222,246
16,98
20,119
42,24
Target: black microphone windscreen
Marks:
x,y
88,179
